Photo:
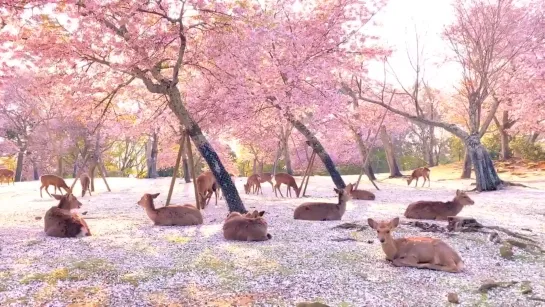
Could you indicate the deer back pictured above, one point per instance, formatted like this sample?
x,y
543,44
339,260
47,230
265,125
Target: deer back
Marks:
x,y
185,215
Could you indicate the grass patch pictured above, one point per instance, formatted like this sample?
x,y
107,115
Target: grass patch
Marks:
x,y
51,277
135,278
178,239
93,265
208,261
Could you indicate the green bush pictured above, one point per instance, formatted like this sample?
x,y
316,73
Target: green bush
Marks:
x,y
492,143
528,150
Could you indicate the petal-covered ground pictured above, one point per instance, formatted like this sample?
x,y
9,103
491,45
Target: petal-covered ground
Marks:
x,y
129,262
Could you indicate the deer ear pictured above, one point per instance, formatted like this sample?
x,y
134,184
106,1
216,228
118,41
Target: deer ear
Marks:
x,y
154,195
56,196
457,192
261,213
372,223
336,190
394,222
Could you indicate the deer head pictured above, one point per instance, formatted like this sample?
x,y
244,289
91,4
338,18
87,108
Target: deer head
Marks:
x,y
147,199
383,228
463,198
68,202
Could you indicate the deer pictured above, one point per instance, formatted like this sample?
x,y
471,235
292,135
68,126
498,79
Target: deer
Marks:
x,y
317,211
8,174
205,188
55,181
361,194
253,182
420,172
266,177
248,227
173,215
416,252
287,179
63,221
438,210
85,181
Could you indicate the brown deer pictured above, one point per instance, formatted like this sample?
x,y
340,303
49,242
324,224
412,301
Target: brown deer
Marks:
x,y
266,177
252,182
173,215
8,174
63,221
361,194
248,227
55,181
289,181
324,211
85,181
417,252
420,172
205,188
438,210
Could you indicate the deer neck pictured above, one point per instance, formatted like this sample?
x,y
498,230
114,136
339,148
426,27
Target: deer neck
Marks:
x,y
151,211
389,247
342,205
457,205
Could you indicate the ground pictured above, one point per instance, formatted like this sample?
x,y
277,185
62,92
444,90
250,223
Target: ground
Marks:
x,y
129,262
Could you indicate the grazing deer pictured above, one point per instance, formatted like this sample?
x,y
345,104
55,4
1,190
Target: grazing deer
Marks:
x,y
55,181
85,181
361,194
248,227
63,221
438,210
173,215
417,252
324,211
289,181
420,172
205,188
8,174
266,177
252,182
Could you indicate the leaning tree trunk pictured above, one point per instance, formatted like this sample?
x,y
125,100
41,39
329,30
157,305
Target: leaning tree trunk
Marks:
x,y
19,167
207,152
363,153
319,149
152,155
287,158
185,165
466,171
485,173
390,156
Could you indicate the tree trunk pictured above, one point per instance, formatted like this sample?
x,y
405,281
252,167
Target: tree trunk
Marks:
x,y
533,137
260,168
59,166
319,149
287,158
278,153
35,173
363,153
152,155
187,175
207,152
466,171
431,160
254,168
485,173
19,167
505,151
390,156
370,172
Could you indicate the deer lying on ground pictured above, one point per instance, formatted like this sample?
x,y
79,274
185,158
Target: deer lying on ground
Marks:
x,y
205,188
438,210
420,172
324,211
85,181
248,227
173,215
289,181
55,181
361,194
266,177
252,182
63,221
417,252
8,174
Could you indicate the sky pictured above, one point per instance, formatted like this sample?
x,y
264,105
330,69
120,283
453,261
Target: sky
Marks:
x,y
399,20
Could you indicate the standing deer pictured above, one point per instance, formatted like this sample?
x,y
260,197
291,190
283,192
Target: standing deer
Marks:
x,y
361,194
173,215
417,252
266,177
324,211
252,182
205,188
420,172
85,181
248,227
8,174
63,221
55,181
438,210
289,181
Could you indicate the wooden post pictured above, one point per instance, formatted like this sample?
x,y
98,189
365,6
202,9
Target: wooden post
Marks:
x,y
309,171
192,165
176,167
102,172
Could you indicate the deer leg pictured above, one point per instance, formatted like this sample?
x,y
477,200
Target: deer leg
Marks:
x,y
423,183
407,261
416,183
429,181
271,184
280,191
452,267
47,190
288,191
41,191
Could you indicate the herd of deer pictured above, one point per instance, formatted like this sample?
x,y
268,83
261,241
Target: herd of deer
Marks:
x,y
419,252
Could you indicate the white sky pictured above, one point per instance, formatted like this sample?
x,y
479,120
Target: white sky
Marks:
x,y
398,20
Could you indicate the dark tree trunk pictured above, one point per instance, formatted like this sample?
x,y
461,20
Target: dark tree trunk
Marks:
x,y
505,152
485,173
287,158
152,155
185,165
75,168
533,137
319,149
363,153
254,168
370,172
390,156
207,152
60,166
35,172
260,168
278,153
19,167
466,171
